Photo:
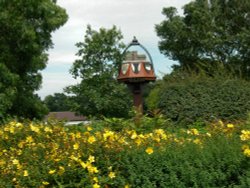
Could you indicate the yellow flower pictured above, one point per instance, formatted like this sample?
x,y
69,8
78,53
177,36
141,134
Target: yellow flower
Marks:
x,y
230,126
149,150
61,170
2,162
45,183
55,146
48,130
15,162
76,146
25,173
96,185
108,135
161,133
29,139
21,144
91,139
89,128
126,186
138,141
91,159
86,134
221,123
134,135
176,140
12,130
19,125
92,169
95,179
78,135
245,135
194,131
122,140
82,164
157,138
19,152
247,152
141,136
6,129
208,134
72,157
197,141
34,128
52,171
112,175
245,147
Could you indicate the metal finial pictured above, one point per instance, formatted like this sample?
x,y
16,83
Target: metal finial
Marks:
x,y
135,41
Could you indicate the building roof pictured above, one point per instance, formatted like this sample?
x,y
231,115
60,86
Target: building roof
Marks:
x,y
65,116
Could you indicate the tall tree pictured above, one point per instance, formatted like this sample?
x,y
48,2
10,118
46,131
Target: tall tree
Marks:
x,y
25,37
98,93
210,32
58,102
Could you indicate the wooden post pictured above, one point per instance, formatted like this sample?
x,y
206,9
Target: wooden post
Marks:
x,y
137,97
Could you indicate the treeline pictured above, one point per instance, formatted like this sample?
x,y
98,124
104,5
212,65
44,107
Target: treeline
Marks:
x,y
210,41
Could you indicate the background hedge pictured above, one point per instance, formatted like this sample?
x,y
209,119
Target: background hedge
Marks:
x,y
187,100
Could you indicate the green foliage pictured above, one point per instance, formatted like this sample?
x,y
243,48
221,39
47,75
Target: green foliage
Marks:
x,y
217,164
100,53
209,32
139,123
7,90
151,99
58,102
25,36
99,93
29,107
188,99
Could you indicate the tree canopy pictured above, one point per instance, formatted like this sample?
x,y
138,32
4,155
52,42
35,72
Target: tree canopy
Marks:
x,y
98,92
210,32
58,102
25,37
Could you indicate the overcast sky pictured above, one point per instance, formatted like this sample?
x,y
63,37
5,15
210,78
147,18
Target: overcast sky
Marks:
x,y
133,17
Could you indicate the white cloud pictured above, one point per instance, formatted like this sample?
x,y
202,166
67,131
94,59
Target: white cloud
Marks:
x,y
61,57
55,83
132,17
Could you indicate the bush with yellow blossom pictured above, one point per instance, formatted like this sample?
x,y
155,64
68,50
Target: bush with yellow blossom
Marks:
x,y
53,155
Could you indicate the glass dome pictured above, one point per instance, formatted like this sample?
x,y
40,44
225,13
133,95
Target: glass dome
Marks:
x,y
137,65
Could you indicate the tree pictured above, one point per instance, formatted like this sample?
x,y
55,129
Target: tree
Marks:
x,y
58,102
99,93
7,90
210,32
25,37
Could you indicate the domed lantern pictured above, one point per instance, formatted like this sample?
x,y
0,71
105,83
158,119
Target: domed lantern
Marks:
x,y
136,70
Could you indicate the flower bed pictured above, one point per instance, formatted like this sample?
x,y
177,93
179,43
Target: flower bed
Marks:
x,y
47,155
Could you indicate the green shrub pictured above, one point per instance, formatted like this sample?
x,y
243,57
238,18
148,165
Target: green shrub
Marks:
x,y
219,163
192,99
139,123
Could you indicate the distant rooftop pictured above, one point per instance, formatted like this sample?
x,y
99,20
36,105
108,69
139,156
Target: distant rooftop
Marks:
x,y
65,116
